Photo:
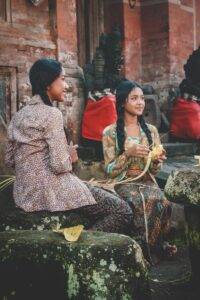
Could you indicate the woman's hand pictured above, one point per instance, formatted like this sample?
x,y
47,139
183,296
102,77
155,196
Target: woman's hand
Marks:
x,y
137,150
73,152
160,159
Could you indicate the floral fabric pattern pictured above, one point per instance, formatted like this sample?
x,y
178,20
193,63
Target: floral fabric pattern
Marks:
x,y
151,210
38,150
117,165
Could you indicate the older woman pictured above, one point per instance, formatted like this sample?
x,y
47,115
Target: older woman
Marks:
x,y
42,159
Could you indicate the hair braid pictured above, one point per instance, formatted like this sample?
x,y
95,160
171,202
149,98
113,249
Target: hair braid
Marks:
x,y
45,98
120,129
146,130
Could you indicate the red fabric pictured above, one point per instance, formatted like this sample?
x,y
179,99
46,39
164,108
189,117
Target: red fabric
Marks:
x,y
185,119
98,115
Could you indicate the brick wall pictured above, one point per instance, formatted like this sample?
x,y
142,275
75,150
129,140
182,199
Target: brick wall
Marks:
x,y
181,39
67,49
159,36
48,30
155,37
23,39
132,42
29,33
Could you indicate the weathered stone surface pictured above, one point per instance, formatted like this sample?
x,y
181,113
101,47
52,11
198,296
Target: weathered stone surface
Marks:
x,y
178,149
43,265
18,219
183,186
193,219
170,280
172,164
13,218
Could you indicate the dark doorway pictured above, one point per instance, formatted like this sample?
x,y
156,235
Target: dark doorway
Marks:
x,y
90,16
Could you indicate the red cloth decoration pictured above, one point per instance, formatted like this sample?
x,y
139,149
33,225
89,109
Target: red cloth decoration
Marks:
x,y
98,115
185,119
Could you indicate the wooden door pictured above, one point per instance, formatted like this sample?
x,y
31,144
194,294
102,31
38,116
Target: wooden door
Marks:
x,y
8,95
90,24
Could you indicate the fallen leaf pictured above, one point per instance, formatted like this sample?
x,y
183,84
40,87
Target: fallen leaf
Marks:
x,y
71,234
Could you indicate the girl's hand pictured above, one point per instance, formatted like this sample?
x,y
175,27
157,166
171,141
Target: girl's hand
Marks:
x,y
73,152
137,151
160,159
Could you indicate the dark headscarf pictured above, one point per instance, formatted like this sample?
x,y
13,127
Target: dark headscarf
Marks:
x,y
43,72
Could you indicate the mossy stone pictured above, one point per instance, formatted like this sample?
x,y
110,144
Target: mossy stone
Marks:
x,y
184,187
43,264
13,218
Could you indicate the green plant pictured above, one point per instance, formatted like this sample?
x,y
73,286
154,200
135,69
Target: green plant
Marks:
x,y
6,182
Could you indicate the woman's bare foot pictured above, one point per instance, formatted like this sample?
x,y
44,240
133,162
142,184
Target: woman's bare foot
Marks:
x,y
169,250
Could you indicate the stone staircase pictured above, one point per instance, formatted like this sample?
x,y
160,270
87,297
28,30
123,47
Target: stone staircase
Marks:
x,y
179,156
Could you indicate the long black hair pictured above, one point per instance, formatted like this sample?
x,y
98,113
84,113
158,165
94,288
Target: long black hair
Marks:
x,y
122,92
42,73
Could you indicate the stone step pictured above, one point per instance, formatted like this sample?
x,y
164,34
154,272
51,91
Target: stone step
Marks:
x,y
171,279
172,164
172,149
175,149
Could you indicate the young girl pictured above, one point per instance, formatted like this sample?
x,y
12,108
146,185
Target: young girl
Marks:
x,y
126,146
42,159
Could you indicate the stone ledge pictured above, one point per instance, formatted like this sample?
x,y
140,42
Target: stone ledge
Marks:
x,y
98,266
183,186
172,164
180,149
17,219
13,218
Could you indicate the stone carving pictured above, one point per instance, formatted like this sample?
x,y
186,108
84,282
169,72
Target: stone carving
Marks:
x,y
105,69
36,2
132,3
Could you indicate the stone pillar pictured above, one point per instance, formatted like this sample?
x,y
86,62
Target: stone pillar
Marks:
x,y
182,37
155,36
158,38
169,32
73,106
132,41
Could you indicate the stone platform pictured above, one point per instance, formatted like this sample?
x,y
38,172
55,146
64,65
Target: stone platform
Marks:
x,y
43,265
172,164
183,186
